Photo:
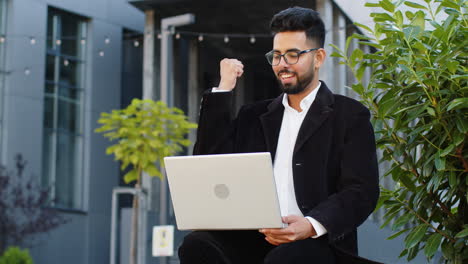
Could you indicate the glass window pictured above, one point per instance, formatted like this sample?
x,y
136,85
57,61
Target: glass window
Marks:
x,y
63,107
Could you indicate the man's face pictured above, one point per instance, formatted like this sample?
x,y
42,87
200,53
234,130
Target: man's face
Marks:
x,y
295,78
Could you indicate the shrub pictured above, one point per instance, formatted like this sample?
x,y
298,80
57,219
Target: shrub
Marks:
x,y
418,95
14,255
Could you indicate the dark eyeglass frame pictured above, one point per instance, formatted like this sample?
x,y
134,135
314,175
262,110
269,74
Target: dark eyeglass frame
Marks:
x,y
299,53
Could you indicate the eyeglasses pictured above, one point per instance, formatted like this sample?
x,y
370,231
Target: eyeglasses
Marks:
x,y
290,57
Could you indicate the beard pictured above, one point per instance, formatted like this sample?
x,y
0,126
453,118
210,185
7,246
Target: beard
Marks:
x,y
301,84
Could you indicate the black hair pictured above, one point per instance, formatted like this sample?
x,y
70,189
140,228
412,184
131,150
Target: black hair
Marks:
x,y
300,19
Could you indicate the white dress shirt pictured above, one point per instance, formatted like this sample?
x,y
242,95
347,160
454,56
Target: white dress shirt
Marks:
x,y
282,166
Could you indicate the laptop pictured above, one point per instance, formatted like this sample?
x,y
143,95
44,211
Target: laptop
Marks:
x,y
223,192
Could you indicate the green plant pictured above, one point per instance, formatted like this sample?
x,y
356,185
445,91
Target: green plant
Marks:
x,y
144,133
14,255
418,95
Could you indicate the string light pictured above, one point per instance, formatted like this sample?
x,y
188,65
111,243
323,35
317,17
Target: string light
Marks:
x,y
83,41
2,39
101,53
177,36
159,36
200,38
252,39
66,63
107,40
27,71
226,39
58,42
32,40
136,43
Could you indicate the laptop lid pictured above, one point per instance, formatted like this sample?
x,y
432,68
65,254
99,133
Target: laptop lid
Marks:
x,y
223,192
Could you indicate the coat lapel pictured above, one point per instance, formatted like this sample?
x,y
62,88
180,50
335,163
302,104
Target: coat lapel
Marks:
x,y
271,124
318,112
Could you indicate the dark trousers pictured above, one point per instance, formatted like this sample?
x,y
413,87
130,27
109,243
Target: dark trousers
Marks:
x,y
250,247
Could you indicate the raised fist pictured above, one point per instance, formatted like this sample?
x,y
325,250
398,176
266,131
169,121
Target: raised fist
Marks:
x,y
230,70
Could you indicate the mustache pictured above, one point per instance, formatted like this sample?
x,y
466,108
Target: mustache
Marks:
x,y
286,71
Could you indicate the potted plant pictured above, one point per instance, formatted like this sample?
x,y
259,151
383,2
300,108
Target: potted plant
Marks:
x,y
143,134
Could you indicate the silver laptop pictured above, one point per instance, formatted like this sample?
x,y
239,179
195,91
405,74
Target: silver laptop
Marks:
x,y
223,192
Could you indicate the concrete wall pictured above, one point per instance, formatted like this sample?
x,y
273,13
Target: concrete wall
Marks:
x,y
85,239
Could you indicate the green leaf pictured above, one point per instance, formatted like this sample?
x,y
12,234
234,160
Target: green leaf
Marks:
x,y
407,181
387,5
462,124
411,32
415,236
363,27
447,150
402,220
432,244
131,176
440,163
372,4
462,233
397,234
415,5
430,111
458,104
450,4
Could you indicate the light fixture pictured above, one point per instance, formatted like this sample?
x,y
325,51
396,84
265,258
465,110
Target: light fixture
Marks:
x,y
200,38
32,40
107,40
136,43
226,39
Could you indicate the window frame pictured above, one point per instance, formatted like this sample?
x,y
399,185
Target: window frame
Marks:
x,y
49,177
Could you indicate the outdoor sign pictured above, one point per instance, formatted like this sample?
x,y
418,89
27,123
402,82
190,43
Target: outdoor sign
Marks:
x,y
163,241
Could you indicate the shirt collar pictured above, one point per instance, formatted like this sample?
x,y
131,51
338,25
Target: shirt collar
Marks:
x,y
306,102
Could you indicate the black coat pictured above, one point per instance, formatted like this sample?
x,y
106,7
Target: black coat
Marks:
x,y
334,161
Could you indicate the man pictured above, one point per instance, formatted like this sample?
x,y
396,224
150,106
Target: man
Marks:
x,y
322,146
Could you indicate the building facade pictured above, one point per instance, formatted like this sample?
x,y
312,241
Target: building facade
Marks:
x,y
62,64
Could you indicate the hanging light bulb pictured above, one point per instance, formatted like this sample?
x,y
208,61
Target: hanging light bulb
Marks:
x,y
58,42
136,43
177,36
83,41
66,62
159,36
32,40
252,39
2,39
101,53
226,39
27,71
107,40
200,38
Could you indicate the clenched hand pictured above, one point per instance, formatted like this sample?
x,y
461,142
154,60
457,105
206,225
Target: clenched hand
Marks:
x,y
230,70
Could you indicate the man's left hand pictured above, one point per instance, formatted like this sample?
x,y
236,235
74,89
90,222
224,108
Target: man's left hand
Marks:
x,y
298,228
